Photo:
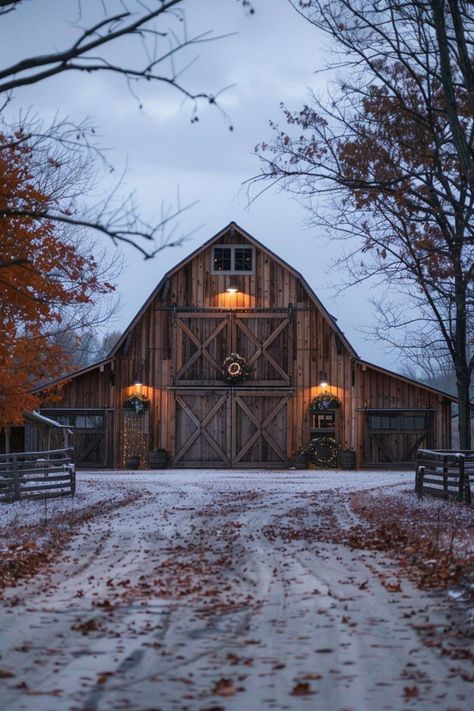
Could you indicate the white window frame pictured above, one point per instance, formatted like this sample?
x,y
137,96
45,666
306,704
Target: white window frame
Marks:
x,y
232,269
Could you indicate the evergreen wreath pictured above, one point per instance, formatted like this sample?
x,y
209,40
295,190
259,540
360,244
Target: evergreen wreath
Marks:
x,y
324,402
323,452
137,402
235,369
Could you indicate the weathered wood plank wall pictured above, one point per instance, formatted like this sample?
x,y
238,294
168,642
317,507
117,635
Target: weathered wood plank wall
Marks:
x,y
153,352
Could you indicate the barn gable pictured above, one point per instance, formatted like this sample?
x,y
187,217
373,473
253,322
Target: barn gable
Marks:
x,y
233,295
191,284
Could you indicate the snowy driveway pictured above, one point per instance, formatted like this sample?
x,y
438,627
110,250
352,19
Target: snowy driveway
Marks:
x,y
181,600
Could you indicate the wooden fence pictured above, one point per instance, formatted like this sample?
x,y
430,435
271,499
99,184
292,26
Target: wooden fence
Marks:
x,y
32,475
444,473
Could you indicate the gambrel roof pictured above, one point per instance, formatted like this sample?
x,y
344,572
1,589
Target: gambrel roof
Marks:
x,y
233,226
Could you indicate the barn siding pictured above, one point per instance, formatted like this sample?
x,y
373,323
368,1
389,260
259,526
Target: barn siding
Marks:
x,y
149,352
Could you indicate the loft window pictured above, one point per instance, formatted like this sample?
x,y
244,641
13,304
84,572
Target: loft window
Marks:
x,y
233,259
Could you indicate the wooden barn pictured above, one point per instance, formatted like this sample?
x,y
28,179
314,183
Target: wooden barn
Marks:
x,y
221,365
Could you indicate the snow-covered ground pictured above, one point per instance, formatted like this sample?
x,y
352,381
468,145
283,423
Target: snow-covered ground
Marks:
x,y
185,599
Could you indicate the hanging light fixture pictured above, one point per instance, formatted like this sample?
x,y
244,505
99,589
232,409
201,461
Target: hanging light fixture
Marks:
x,y
232,290
323,378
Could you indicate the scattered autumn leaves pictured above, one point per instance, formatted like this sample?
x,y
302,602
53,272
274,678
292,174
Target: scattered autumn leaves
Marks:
x,y
431,540
38,545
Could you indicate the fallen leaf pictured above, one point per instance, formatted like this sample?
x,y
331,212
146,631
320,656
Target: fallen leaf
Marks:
x,y
302,688
224,687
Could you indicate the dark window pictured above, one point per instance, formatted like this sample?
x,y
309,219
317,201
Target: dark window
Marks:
x,y
81,420
89,422
222,259
413,423
243,259
61,419
399,422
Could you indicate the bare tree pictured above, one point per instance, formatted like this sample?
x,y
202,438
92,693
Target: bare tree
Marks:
x,y
388,159
157,43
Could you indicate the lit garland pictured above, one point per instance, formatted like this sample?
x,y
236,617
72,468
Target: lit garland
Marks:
x,y
323,452
235,369
137,402
325,402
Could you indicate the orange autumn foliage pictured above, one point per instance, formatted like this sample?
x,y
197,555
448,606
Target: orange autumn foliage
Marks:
x,y
42,273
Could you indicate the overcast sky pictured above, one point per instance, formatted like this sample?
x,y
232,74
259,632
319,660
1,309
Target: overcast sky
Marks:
x,y
271,57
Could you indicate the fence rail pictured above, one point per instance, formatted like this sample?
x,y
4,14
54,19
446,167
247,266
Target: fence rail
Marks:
x,y
444,473
37,475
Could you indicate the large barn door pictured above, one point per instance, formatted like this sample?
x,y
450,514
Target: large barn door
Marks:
x,y
218,426
203,429
259,429
230,428
203,341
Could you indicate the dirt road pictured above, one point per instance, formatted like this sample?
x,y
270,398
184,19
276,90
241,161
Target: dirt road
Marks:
x,y
188,599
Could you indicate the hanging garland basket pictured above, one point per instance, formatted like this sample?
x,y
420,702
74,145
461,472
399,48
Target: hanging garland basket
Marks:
x,y
137,402
235,369
325,402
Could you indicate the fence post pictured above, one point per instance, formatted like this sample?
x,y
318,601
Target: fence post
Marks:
x,y
420,472
467,488
16,479
445,477
461,487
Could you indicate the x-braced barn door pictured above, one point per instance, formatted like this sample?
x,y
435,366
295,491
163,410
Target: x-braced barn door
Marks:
x,y
203,429
260,429
203,340
231,428
244,426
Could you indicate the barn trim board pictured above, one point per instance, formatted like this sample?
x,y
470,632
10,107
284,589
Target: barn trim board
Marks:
x,y
177,343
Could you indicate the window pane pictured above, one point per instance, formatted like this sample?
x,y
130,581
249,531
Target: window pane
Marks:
x,y
243,259
420,422
413,422
61,419
222,259
383,422
89,422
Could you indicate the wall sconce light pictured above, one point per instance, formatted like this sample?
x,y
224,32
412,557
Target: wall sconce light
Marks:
x,y
136,381
323,378
232,290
